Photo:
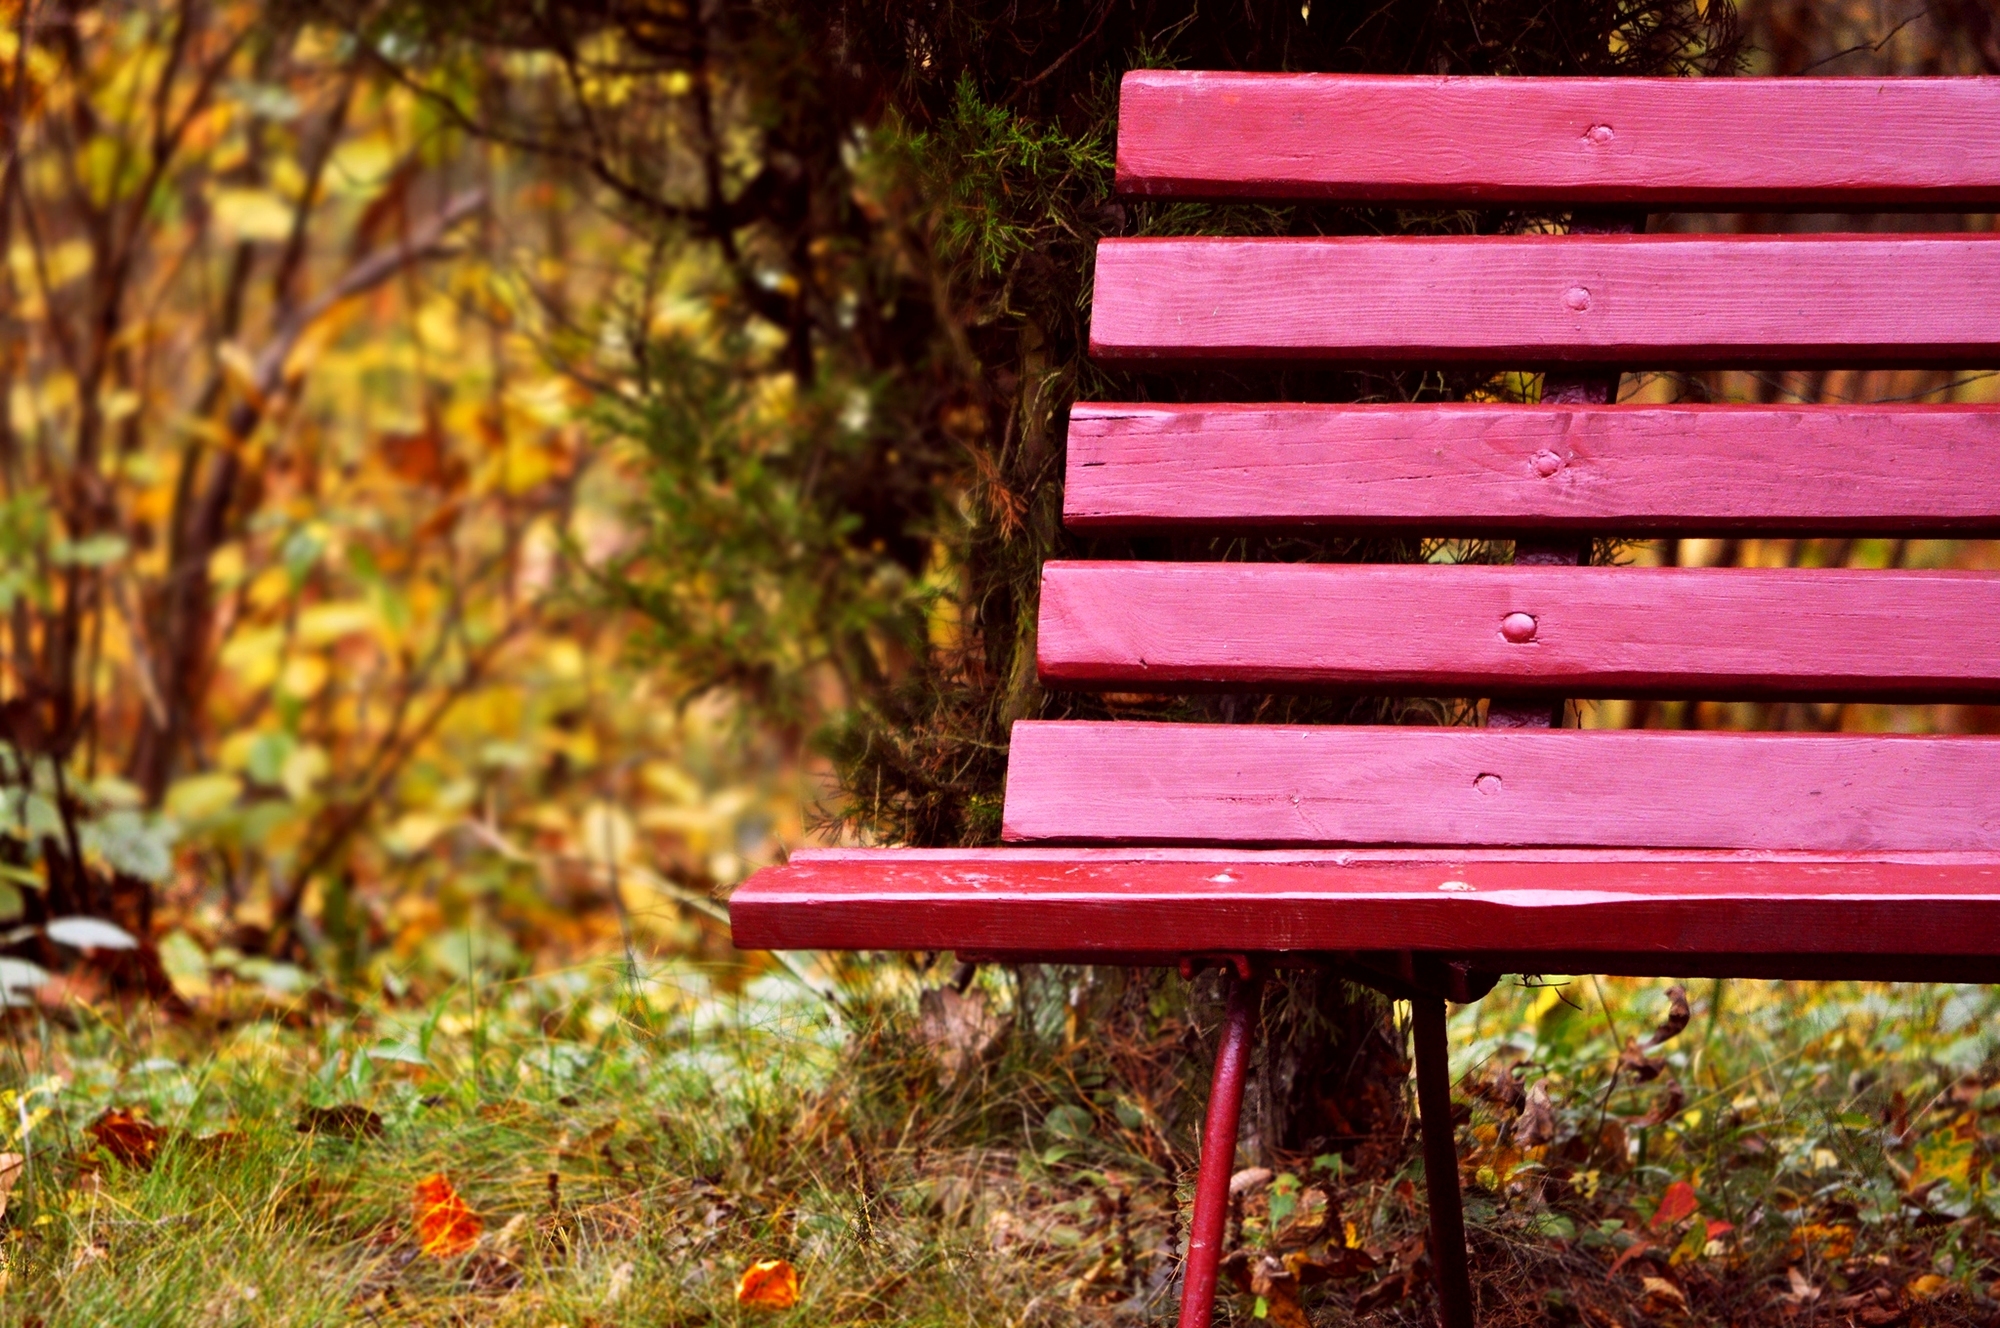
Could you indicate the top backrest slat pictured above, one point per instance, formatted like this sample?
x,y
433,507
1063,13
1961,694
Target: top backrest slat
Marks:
x,y
1769,144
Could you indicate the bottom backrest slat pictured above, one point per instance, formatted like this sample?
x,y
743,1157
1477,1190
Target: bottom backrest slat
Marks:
x,y
1134,783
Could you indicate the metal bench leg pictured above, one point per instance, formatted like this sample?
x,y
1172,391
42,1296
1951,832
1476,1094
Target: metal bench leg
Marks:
x,y
1218,1152
1454,1285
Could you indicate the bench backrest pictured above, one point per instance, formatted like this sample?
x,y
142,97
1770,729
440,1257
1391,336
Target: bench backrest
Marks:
x,y
1537,472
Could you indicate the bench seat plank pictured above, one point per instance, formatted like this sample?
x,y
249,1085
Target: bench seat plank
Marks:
x,y
1485,468
1646,300
1544,911
1585,631
1764,143
1146,783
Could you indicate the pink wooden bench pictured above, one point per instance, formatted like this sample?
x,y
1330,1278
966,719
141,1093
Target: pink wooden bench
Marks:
x,y
1428,861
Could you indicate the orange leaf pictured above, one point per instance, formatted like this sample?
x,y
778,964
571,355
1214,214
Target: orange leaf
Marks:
x,y
769,1284
127,1137
446,1228
1678,1202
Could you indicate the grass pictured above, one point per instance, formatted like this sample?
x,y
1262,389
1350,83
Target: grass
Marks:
x,y
632,1143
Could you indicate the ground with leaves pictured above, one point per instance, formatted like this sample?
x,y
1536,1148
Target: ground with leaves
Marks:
x,y
679,1145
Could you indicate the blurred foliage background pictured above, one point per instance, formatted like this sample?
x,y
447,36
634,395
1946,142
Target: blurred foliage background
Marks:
x,y
477,480
503,472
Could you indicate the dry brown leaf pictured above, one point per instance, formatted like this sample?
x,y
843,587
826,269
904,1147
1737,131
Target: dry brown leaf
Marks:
x,y
1637,1064
768,1284
1275,1284
1331,1265
1537,1125
959,1028
446,1226
1661,1294
12,1168
1248,1181
1677,1017
1667,1103
1308,1221
348,1120
1497,1085
1802,1292
127,1137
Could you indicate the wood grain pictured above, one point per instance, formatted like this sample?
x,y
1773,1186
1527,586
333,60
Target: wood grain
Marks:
x,y
1641,300
1629,912
1477,630
1079,782
1764,143
1483,469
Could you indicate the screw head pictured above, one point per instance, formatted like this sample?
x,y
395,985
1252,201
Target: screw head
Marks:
x,y
1518,627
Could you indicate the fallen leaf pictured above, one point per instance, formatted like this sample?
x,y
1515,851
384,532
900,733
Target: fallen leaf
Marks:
x,y
446,1227
1335,1263
11,1169
1249,1181
348,1120
1677,1203
1538,1119
1637,1249
768,1284
1802,1291
1307,1221
1830,1242
127,1137
221,1144
1667,1104
1634,1062
1498,1086
1663,1293
1927,1286
1677,1017
1277,1289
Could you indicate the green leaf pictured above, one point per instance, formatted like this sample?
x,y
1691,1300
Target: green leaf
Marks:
x,y
21,876
402,1053
95,551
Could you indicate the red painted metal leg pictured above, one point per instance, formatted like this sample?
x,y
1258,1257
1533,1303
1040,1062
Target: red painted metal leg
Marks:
x,y
1218,1152
1440,1164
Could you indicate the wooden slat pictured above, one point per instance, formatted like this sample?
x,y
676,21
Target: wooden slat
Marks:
x,y
1133,783
1790,143
1661,913
1666,470
1549,299
1589,631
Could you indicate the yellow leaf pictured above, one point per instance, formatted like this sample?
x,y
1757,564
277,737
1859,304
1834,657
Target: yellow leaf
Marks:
x,y
323,624
413,832
252,214
1923,1288
302,771
253,655
769,1284
199,797
304,675
225,565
